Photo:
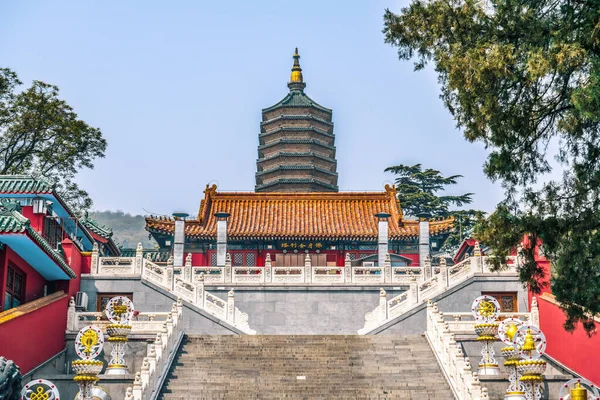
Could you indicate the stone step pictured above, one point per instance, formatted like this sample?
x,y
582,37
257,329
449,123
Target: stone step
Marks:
x,y
335,366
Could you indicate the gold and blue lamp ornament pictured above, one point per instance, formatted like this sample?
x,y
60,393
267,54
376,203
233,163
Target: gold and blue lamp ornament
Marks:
x,y
579,389
119,311
485,310
40,389
89,343
530,343
506,332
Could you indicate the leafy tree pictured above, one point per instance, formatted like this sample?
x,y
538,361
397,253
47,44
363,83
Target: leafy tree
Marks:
x,y
465,222
520,76
418,195
417,191
40,134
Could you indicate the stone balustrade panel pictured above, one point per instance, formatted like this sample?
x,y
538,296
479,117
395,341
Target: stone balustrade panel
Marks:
x,y
211,274
287,275
116,266
328,275
248,275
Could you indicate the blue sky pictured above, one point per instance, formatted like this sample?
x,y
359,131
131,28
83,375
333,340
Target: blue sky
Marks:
x,y
177,89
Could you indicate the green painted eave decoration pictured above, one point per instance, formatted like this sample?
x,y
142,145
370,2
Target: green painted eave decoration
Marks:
x,y
51,252
101,230
295,168
297,98
12,221
297,129
296,181
300,154
296,118
296,141
24,184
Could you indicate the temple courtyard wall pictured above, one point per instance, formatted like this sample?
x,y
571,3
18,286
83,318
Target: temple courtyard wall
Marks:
x,y
302,309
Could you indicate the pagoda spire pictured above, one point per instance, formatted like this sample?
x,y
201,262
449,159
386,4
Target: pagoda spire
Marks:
x,y
296,80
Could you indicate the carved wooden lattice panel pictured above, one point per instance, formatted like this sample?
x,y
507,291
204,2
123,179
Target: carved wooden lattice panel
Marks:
x,y
238,259
250,259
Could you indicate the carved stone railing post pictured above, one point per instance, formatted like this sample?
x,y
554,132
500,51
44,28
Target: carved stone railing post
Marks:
x,y
137,386
152,363
476,263
307,269
158,346
71,316
383,304
187,270
231,307
175,315
535,313
164,340
139,258
145,374
427,267
387,268
170,278
347,269
444,278
169,325
228,273
199,291
413,291
95,262
268,269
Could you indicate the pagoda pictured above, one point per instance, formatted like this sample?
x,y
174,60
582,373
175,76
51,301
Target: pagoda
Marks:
x,y
296,151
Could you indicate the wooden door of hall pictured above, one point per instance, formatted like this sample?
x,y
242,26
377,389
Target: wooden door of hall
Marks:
x,y
508,300
297,260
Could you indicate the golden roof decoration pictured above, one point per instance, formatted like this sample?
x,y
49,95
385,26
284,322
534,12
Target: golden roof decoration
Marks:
x,y
296,75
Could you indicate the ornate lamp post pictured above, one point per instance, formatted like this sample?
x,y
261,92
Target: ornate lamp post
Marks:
x,y
88,345
531,344
485,310
579,389
119,311
506,333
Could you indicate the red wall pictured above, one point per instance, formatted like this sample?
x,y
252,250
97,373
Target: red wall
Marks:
x,y
37,220
33,338
86,264
75,261
34,282
201,259
575,350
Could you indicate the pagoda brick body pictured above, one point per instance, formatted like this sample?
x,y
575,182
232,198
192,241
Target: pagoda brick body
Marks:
x,y
296,151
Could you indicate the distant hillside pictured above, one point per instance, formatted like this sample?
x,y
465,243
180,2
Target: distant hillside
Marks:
x,y
128,230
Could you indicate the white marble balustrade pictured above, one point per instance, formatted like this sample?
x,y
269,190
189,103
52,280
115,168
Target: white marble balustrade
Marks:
x,y
253,275
443,278
441,330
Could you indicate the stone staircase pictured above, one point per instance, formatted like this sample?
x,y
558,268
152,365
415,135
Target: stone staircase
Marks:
x,y
305,367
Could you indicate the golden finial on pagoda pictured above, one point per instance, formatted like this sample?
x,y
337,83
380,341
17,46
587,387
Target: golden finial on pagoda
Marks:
x,y
296,70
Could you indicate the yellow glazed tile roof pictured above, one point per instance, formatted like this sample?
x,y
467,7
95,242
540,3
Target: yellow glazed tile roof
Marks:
x,y
328,215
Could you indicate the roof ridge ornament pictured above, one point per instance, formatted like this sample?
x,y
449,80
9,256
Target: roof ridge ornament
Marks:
x,y
296,80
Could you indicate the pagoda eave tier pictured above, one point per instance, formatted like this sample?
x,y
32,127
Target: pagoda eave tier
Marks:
x,y
296,185
332,216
